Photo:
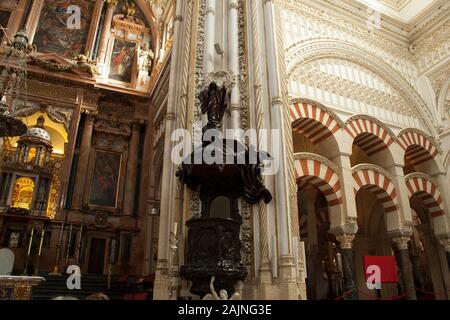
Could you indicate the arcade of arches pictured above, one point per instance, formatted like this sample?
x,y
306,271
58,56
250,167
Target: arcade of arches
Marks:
x,y
362,113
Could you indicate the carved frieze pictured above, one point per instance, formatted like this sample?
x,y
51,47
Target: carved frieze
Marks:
x,y
110,141
113,128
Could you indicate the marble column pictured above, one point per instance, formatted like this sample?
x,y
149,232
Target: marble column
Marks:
x,y
348,265
111,6
83,160
233,62
311,257
210,22
169,185
446,244
404,263
394,221
349,210
209,40
132,164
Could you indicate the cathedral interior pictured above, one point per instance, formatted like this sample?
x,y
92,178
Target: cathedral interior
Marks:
x,y
358,92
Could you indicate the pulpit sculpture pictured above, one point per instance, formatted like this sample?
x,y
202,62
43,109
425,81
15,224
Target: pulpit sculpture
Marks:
x,y
214,237
223,294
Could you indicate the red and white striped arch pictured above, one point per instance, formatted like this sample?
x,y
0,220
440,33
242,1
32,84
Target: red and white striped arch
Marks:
x,y
369,135
427,191
418,148
313,121
322,177
379,184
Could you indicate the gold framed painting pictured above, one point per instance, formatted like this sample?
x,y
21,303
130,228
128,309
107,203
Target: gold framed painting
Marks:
x,y
123,55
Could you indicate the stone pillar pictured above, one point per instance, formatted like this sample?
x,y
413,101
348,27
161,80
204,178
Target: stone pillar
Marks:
x,y
349,211
404,207
233,62
106,31
169,185
446,244
210,22
132,164
404,263
209,51
348,265
284,188
83,160
309,195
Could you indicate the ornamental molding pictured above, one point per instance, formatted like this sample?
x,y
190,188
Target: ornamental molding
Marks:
x,y
113,128
325,13
368,166
304,52
312,74
221,78
56,114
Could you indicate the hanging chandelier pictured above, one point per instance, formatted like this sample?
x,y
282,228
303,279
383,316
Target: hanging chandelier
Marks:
x,y
13,82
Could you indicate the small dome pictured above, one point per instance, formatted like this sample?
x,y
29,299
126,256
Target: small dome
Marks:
x,y
37,134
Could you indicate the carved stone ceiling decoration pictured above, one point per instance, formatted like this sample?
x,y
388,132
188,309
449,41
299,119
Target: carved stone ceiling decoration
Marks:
x,y
350,80
402,10
158,7
439,78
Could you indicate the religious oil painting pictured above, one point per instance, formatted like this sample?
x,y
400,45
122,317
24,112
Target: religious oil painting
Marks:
x,y
64,26
122,58
105,179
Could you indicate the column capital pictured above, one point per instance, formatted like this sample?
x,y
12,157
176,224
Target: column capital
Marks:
x,y
136,126
111,4
445,243
233,4
401,242
345,240
90,119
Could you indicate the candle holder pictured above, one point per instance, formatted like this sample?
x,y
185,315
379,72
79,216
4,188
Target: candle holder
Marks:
x,y
173,242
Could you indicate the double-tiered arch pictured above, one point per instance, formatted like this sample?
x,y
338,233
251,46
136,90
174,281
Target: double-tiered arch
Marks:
x,y
422,186
377,181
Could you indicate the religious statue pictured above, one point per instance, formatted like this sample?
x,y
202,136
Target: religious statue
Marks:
x,y
223,294
130,8
86,64
146,57
214,102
